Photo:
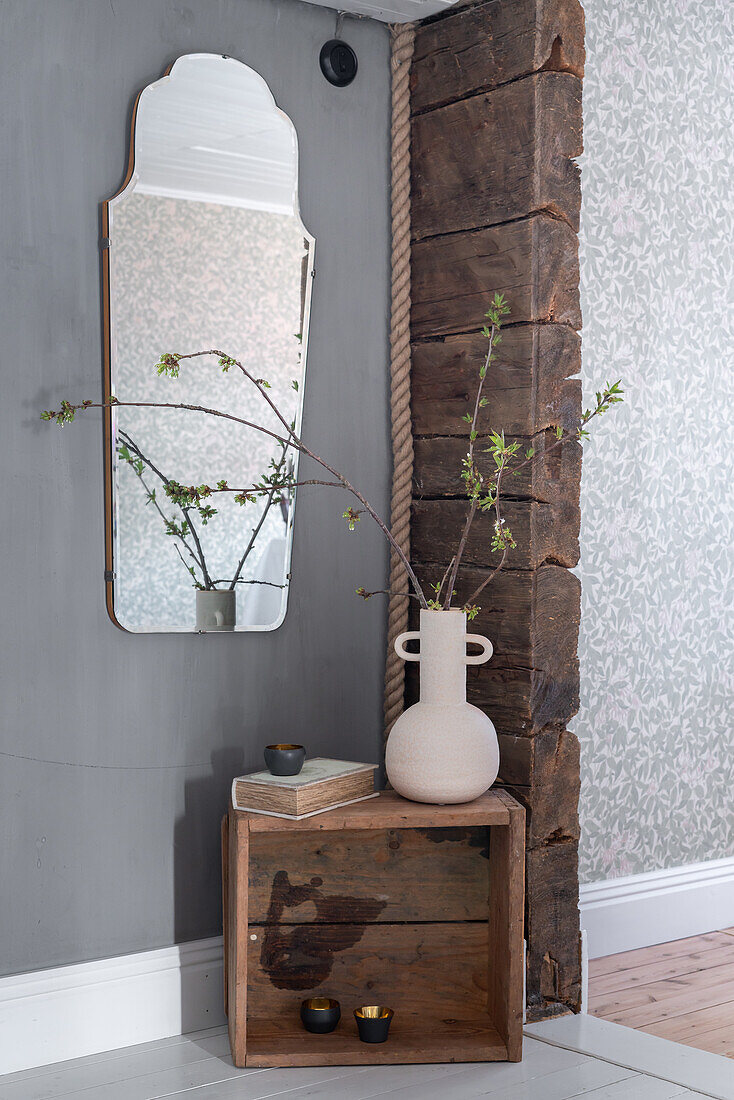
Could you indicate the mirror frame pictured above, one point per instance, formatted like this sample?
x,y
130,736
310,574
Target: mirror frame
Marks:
x,y
107,388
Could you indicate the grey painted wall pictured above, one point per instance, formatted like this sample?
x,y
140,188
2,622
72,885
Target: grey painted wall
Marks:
x,y
117,750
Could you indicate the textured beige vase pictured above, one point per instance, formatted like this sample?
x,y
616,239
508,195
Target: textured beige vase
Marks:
x,y
442,749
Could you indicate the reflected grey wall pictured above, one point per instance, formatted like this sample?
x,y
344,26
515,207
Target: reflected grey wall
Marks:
x,y
188,276
110,843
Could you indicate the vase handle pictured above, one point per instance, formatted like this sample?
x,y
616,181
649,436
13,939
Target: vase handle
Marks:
x,y
487,649
408,636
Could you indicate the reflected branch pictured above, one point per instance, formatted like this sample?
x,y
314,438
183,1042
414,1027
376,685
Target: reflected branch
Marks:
x,y
171,528
263,517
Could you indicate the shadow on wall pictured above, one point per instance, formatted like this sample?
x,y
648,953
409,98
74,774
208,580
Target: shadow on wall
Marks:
x,y
196,843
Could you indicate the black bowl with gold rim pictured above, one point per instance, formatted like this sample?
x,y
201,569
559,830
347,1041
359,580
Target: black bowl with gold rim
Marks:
x,y
373,1022
320,1014
284,759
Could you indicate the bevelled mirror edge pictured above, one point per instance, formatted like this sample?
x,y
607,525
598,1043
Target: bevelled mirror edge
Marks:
x,y
307,275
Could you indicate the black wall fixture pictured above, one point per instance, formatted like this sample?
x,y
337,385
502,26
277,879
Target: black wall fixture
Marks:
x,y
338,62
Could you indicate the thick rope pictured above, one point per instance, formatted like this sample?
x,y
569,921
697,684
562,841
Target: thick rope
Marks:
x,y
403,38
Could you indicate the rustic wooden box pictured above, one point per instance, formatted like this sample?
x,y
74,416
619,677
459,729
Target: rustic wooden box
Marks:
x,y
383,902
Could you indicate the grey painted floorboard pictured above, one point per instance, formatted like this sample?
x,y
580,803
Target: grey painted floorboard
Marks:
x,y
199,1067
110,1055
556,1085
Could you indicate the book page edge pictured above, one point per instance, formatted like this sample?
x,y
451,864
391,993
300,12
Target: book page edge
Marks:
x,y
301,817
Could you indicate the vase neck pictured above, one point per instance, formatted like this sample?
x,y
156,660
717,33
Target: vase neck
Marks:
x,y
443,657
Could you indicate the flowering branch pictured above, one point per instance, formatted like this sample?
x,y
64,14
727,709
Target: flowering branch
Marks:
x,y
483,493
169,365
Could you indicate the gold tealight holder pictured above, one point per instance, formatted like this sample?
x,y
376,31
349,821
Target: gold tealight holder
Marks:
x,y
320,1015
373,1022
284,759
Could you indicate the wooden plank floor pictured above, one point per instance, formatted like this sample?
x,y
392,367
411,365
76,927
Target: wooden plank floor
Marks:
x,y
198,1067
682,990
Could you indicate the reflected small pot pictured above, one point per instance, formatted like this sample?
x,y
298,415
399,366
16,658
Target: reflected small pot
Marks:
x,y
320,1014
216,609
284,759
373,1023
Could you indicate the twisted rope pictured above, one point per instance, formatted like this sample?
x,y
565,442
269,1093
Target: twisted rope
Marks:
x,y
403,38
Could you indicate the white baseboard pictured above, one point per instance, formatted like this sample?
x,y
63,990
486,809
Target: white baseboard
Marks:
x,y
71,1011
584,1005
623,914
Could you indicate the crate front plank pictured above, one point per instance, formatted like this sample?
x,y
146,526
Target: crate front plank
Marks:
x,y
437,968
389,811
225,905
237,843
413,1038
506,921
370,876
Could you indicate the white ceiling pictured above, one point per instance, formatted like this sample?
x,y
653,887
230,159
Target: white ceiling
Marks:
x,y
392,11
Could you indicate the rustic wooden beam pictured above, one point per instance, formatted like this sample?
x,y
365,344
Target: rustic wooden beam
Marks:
x,y
533,262
496,104
549,766
522,701
529,384
532,617
543,533
552,477
503,154
552,929
488,44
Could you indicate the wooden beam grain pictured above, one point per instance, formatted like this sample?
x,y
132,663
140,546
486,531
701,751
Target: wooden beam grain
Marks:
x,y
550,793
533,262
552,478
496,105
543,533
499,155
552,928
530,616
487,44
530,384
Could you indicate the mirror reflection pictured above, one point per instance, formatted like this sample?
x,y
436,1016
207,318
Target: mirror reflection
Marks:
x,y
206,250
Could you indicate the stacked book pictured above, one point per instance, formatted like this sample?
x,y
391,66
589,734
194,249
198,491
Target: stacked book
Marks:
x,y
321,785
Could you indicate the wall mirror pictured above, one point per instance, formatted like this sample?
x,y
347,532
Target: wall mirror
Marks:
x,y
203,248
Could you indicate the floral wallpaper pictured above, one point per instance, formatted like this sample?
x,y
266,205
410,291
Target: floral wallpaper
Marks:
x,y
657,629
186,276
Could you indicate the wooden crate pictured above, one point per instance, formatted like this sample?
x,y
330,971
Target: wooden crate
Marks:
x,y
384,902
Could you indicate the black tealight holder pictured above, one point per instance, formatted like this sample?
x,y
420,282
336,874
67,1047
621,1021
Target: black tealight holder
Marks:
x,y
373,1022
320,1014
284,759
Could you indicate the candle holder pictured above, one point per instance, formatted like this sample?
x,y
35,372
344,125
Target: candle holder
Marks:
x,y
320,1014
284,759
373,1022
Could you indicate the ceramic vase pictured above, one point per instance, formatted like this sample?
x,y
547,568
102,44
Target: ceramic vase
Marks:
x,y
442,749
216,609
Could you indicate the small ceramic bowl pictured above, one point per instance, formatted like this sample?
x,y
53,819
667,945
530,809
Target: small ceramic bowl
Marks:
x,y
284,759
373,1022
320,1014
